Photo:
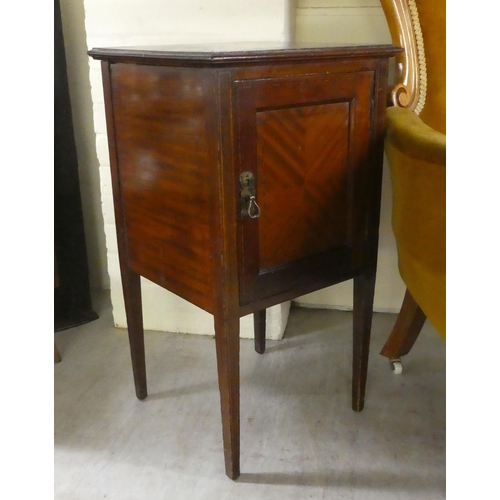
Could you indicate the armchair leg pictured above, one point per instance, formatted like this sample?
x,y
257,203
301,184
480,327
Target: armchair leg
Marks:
x,y
408,325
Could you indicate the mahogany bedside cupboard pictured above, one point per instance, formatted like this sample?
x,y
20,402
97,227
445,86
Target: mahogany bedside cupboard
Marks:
x,y
245,175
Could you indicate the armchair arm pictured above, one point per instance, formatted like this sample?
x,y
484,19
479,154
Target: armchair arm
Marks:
x,y
408,133
416,155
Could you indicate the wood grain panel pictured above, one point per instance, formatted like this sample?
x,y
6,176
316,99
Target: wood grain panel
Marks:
x,y
163,162
307,140
303,181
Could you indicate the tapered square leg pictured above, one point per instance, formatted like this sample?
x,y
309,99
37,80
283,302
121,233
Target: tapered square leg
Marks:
x,y
227,344
259,327
364,288
133,308
408,325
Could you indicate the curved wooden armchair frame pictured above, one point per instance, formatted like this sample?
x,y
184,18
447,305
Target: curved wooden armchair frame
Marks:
x,y
402,18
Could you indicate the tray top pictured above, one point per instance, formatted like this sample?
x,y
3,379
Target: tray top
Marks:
x,y
230,53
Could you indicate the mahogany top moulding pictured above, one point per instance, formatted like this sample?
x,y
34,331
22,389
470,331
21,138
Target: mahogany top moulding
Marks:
x,y
239,53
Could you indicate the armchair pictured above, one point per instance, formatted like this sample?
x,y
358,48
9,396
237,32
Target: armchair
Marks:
x,y
416,150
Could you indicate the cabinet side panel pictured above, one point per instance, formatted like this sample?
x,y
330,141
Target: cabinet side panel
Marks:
x,y
163,154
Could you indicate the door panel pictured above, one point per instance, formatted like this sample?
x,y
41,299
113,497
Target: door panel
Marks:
x,y
302,181
301,138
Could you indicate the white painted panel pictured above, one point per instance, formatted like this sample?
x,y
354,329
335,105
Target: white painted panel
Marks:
x,y
342,25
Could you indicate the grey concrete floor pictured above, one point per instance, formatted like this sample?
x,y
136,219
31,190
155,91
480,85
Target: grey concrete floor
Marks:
x,y
299,437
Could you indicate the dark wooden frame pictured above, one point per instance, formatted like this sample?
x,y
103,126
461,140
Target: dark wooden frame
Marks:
x,y
72,298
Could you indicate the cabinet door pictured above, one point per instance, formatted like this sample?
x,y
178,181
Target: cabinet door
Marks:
x,y
305,140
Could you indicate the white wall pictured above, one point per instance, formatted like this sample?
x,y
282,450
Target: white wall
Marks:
x,y
354,21
153,22
75,41
337,21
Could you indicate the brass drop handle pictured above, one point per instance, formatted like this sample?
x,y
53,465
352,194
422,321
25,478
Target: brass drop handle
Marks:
x,y
249,206
253,209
